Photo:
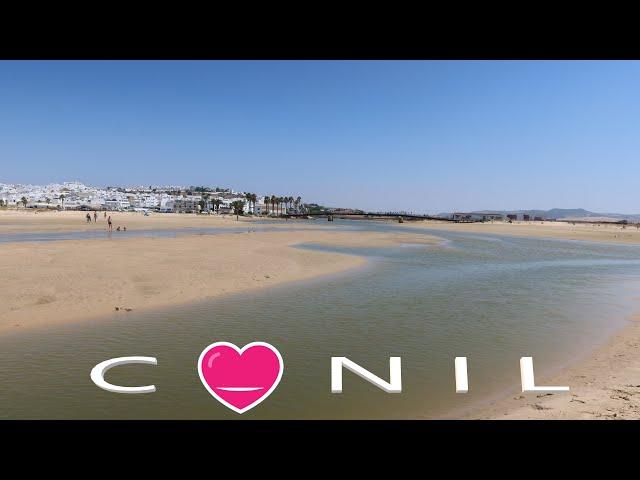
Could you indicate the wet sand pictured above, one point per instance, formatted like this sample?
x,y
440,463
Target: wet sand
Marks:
x,y
27,221
609,233
605,384
75,280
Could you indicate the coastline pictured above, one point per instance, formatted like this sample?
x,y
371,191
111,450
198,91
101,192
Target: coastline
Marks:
x,y
69,281
604,381
605,384
73,281
605,233
32,221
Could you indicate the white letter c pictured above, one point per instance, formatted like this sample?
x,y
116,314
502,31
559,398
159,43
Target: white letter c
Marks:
x,y
97,374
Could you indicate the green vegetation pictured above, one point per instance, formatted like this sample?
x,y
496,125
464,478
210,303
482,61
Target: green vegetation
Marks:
x,y
238,208
315,208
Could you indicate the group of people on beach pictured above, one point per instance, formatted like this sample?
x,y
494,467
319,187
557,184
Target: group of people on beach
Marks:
x,y
109,222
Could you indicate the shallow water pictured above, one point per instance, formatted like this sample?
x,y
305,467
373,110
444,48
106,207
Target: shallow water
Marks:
x,y
492,299
256,225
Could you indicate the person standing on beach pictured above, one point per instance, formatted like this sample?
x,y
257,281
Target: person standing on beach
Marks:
x,y
95,217
88,218
105,214
109,222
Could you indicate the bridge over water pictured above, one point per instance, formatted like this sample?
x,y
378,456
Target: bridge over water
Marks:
x,y
370,215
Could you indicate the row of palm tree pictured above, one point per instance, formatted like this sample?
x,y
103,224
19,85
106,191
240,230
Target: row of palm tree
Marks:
x,y
22,201
215,203
277,203
251,198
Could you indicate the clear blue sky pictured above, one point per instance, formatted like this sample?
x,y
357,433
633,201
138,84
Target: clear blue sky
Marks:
x,y
422,136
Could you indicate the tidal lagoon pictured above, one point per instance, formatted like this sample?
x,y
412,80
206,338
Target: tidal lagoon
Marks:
x,y
490,298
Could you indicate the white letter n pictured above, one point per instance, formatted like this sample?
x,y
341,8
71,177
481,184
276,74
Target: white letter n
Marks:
x,y
395,374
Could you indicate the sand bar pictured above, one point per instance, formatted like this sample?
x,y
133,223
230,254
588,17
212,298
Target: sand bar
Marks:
x,y
28,221
609,233
67,281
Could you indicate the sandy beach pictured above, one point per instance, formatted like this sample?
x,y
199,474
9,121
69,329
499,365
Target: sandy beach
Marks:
x,y
603,232
68,281
25,221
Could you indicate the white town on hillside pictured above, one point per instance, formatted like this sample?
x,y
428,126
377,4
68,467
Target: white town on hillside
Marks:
x,y
174,199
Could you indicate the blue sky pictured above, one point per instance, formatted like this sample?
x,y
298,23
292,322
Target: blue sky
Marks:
x,y
421,136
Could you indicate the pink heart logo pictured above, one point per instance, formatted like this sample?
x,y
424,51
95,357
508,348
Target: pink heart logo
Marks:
x,y
240,378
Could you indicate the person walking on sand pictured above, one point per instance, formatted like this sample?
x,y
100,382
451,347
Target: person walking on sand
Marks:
x,y
95,217
109,222
105,214
88,217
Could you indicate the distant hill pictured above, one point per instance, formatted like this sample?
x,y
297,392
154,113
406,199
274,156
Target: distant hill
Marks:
x,y
564,214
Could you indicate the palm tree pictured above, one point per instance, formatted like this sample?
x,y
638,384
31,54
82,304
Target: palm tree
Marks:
x,y
61,198
248,196
273,203
205,201
238,207
24,201
216,205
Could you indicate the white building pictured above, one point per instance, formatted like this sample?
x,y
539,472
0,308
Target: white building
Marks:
x,y
117,205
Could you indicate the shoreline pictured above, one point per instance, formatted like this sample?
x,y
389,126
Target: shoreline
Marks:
x,y
613,234
70,281
26,221
604,384
604,380
81,281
